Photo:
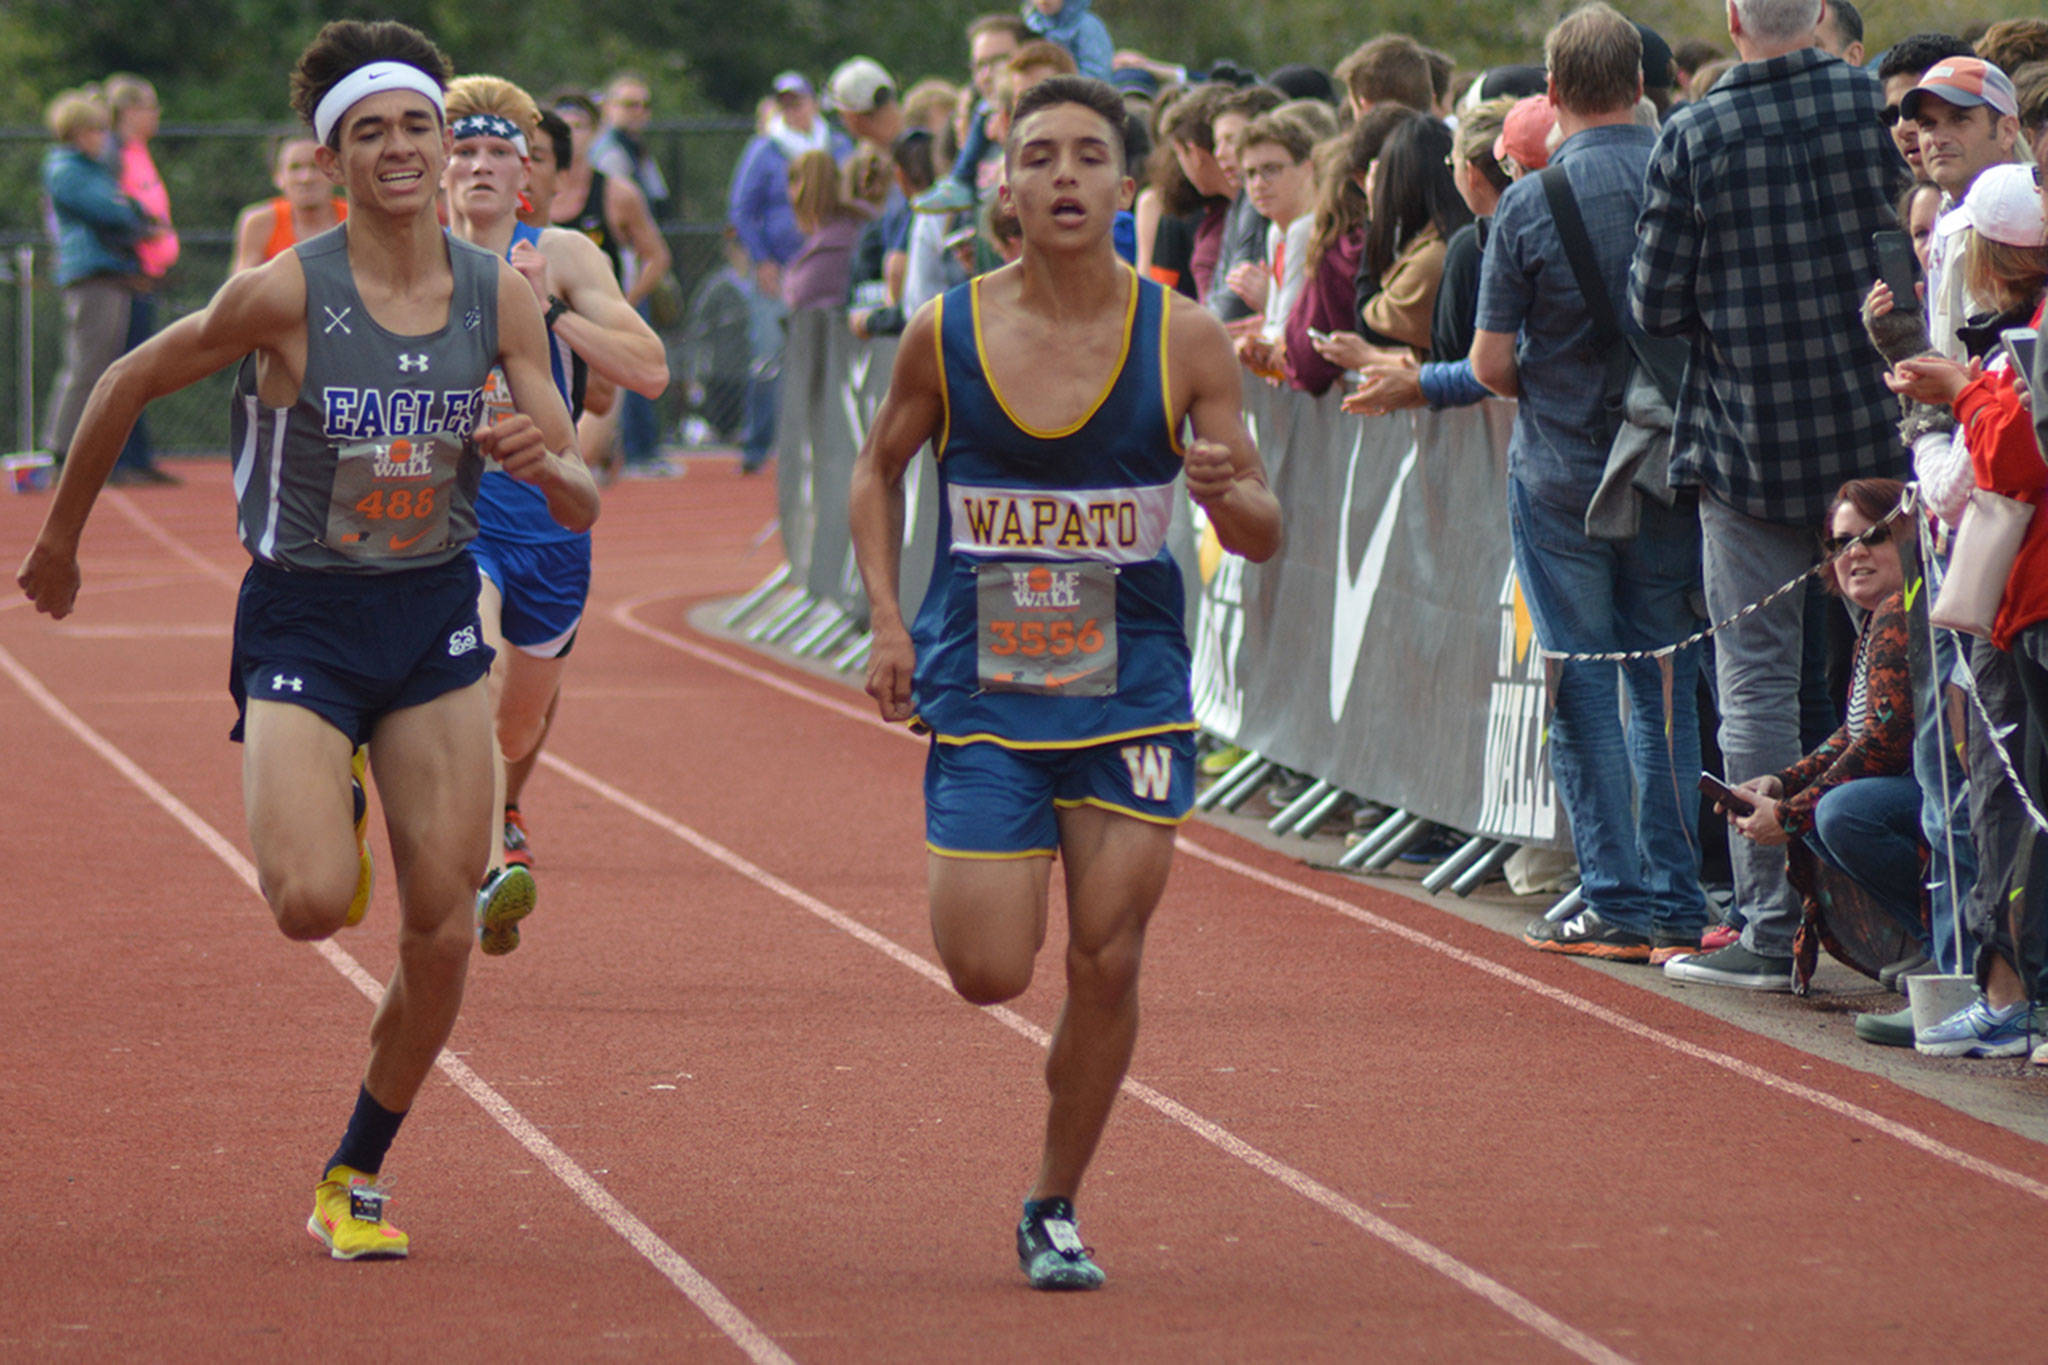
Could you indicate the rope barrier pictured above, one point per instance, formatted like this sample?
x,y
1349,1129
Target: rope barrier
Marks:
x,y
1905,507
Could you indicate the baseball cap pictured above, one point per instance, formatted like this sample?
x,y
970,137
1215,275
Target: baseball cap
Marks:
x,y
1525,132
1134,79
859,86
792,83
2004,205
1964,82
1510,80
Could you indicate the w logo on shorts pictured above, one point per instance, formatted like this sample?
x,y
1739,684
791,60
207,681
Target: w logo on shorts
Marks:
x,y
1151,767
461,642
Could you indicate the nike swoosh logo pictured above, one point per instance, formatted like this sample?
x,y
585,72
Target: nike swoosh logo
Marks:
x,y
1913,591
1356,594
398,545
1062,679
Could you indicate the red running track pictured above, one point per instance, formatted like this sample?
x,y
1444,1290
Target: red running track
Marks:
x,y
719,1106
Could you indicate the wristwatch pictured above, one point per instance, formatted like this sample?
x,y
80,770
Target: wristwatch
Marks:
x,y
556,307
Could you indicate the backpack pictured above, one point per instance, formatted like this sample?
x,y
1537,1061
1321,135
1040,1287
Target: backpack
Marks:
x,y
1640,396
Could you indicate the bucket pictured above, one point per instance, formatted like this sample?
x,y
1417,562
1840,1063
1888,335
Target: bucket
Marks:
x,y
1937,995
30,473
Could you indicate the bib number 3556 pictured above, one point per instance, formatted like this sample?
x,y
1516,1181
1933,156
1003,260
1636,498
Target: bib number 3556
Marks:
x,y
1048,629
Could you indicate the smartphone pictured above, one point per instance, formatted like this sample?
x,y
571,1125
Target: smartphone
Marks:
x,y
1726,796
1897,266
1314,335
2018,345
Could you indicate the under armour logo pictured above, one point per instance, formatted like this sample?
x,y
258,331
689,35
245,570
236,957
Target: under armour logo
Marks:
x,y
335,320
472,319
279,682
408,363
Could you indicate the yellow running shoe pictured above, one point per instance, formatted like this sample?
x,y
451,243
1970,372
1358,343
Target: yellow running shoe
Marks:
x,y
506,898
348,1217
366,866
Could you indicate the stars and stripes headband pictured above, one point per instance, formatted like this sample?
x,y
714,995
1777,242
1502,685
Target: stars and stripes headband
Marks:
x,y
371,79
489,125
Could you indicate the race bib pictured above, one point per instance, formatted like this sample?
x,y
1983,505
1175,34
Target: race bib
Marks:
x,y
391,497
1048,629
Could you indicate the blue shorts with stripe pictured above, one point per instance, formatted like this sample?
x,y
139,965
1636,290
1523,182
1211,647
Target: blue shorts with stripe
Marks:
x,y
355,647
543,588
985,800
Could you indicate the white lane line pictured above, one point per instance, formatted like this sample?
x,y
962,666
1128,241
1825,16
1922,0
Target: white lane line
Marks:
x,y
1833,1104
143,522
723,1313
142,630
1856,1113
1499,1295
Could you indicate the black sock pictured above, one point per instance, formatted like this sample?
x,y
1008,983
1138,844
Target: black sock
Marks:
x,y
370,1130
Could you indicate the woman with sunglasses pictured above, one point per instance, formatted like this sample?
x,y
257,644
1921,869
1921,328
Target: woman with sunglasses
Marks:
x,y
1854,799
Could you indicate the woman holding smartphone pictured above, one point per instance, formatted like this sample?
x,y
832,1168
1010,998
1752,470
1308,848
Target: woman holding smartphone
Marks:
x,y
1854,799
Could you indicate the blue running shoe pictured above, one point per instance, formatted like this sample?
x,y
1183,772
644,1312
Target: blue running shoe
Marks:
x,y
1978,1030
1049,1247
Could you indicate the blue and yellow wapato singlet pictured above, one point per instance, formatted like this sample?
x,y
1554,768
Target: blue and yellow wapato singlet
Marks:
x,y
1054,618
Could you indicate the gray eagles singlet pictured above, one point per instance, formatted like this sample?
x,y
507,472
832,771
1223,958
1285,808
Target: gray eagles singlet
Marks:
x,y
371,469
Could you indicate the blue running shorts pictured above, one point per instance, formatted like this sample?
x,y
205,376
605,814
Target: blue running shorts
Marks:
x,y
354,647
983,800
543,588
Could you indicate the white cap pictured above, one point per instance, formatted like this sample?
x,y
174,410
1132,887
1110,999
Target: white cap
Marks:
x,y
2004,205
858,86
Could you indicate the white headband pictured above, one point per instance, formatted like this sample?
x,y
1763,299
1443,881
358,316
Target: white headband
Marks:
x,y
365,81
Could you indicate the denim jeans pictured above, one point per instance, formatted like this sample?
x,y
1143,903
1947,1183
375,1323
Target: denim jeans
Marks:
x,y
1947,827
1639,864
137,453
764,391
1869,829
639,428
1757,660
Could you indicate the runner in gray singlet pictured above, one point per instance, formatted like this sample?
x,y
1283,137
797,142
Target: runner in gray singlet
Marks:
x,y
364,355
305,474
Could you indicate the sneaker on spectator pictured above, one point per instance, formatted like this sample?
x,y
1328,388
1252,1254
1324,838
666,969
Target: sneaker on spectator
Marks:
x,y
1979,1029
1220,761
948,196
1892,975
2040,1057
1586,935
1733,965
1666,946
1887,1030
655,468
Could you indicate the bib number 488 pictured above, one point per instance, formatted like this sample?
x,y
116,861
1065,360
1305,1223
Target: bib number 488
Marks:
x,y
397,504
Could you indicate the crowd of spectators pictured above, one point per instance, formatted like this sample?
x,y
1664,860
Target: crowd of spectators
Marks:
x,y
1670,256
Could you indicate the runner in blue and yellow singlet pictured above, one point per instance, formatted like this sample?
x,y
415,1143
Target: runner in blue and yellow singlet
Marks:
x,y
359,443
1049,660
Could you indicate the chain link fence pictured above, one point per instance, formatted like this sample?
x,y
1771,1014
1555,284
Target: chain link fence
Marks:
x,y
212,171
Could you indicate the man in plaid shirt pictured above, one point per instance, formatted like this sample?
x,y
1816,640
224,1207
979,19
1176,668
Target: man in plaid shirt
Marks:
x,y
1755,243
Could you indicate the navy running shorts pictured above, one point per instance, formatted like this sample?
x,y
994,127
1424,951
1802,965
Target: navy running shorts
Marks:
x,y
354,647
543,588
984,800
